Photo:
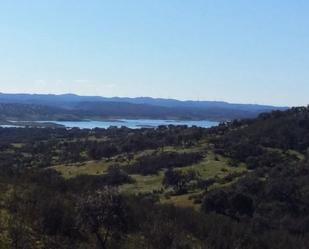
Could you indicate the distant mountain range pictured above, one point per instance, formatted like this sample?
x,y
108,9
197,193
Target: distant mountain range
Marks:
x,y
34,107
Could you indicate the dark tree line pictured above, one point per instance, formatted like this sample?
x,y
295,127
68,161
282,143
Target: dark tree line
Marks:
x,y
152,164
46,147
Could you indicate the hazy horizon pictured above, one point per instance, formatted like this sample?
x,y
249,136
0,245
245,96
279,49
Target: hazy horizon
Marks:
x,y
232,51
152,97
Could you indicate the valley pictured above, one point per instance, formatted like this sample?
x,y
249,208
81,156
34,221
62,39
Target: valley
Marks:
x,y
210,186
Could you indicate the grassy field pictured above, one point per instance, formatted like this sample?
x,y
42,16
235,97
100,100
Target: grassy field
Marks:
x,y
181,200
87,168
144,184
212,166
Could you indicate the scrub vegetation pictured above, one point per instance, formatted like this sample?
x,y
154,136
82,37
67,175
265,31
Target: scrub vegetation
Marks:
x,y
243,184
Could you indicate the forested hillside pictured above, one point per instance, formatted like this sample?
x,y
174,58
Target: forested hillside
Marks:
x,y
31,107
243,184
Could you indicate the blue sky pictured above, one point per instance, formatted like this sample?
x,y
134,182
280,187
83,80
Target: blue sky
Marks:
x,y
244,51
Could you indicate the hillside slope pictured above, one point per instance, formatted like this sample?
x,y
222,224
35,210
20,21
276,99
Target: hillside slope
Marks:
x,y
243,184
99,107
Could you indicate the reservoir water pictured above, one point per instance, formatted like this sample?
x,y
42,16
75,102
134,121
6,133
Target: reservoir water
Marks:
x,y
133,123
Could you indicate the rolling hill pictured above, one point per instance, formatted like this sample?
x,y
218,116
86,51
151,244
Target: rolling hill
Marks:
x,y
74,107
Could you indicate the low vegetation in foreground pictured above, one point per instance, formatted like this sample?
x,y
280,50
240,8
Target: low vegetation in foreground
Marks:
x,y
243,184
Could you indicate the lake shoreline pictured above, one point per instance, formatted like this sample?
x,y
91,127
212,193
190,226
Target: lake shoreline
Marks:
x,y
92,124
